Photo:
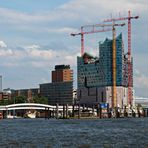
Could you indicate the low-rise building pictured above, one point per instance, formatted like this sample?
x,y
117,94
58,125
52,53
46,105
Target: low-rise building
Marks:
x,y
59,92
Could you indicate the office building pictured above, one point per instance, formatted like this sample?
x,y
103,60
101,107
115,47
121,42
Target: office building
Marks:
x,y
61,89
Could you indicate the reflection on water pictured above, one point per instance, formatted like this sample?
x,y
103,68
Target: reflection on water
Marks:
x,y
74,133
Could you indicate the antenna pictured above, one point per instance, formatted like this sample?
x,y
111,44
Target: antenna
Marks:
x,y
0,83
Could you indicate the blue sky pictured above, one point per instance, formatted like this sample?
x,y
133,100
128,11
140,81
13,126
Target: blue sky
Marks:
x,y
35,35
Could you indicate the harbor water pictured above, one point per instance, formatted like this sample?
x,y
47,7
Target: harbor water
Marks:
x,y
74,133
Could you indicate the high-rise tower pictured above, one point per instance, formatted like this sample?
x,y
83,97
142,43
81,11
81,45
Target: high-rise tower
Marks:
x,y
95,75
62,73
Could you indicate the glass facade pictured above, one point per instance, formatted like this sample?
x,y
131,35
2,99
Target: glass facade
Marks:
x,y
58,92
97,72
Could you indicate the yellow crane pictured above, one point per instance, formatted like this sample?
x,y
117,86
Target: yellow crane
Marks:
x,y
114,92
93,30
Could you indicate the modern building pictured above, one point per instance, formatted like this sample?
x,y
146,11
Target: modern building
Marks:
x,y
95,75
61,89
58,92
62,73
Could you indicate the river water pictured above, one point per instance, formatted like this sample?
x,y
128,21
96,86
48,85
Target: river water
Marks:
x,y
74,133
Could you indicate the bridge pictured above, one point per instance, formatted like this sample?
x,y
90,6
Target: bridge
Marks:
x,y
49,110
31,106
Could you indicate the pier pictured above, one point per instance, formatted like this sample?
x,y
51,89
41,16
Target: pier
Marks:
x,y
66,111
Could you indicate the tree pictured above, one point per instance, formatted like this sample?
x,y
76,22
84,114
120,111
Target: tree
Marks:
x,y
5,102
40,100
19,99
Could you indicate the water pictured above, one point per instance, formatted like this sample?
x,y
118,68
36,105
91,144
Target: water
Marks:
x,y
74,133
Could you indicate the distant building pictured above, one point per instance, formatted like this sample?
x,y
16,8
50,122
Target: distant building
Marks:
x,y
61,89
62,73
6,94
75,96
95,75
58,92
27,93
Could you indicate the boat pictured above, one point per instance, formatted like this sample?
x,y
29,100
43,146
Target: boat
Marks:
x,y
31,114
11,117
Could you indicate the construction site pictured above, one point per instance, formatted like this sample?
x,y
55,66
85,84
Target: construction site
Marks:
x,y
107,78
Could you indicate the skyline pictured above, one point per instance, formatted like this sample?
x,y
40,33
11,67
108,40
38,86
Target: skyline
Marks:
x,y
35,36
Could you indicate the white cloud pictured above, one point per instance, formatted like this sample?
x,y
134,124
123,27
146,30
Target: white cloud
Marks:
x,y
43,54
33,47
63,19
74,10
67,30
141,81
36,56
2,44
12,16
6,52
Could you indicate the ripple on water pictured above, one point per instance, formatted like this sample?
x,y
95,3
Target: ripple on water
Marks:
x,y
74,133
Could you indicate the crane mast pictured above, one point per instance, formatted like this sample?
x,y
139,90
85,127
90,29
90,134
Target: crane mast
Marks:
x,y
93,30
114,96
130,94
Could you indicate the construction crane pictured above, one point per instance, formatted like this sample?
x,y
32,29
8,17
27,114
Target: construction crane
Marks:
x,y
93,30
130,94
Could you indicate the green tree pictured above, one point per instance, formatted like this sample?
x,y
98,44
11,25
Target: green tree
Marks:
x,y
40,100
19,99
5,102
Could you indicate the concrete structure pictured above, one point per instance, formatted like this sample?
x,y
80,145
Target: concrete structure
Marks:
x,y
95,75
62,73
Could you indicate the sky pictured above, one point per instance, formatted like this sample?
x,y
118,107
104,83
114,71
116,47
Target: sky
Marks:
x,y
35,36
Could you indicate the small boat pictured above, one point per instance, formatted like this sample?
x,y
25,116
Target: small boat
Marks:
x,y
11,117
31,114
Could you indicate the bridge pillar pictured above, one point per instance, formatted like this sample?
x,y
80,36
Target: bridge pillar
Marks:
x,y
46,112
93,109
66,110
73,110
79,111
63,111
4,114
145,112
53,113
50,114
7,113
57,110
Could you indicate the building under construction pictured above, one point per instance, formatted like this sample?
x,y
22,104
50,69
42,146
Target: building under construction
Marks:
x,y
95,75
